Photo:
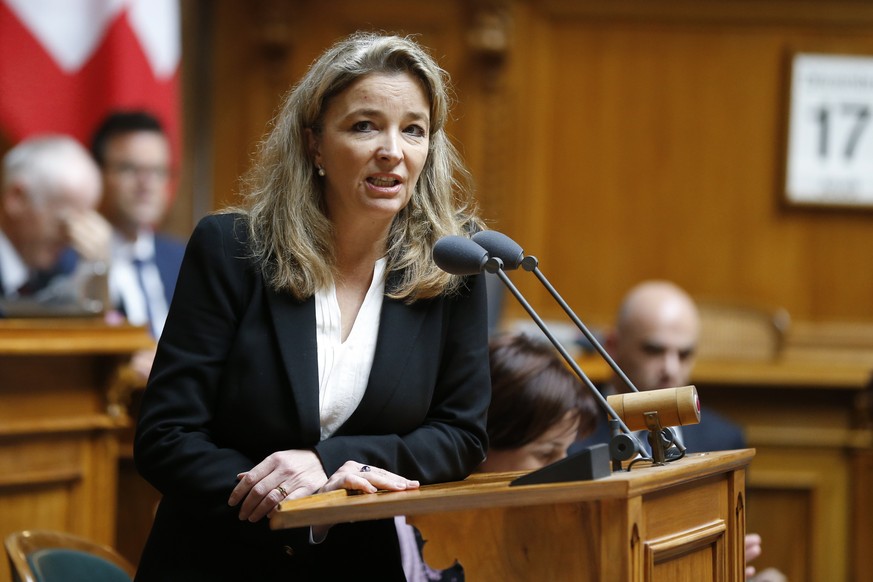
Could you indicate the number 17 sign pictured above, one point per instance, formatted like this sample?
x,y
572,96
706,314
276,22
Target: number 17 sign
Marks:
x,y
830,131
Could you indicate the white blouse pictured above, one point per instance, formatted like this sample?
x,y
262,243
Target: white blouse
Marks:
x,y
344,367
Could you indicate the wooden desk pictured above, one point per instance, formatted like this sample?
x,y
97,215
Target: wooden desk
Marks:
x,y
682,521
786,373
810,487
60,413
810,423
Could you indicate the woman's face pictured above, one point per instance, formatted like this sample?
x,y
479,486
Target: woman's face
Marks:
x,y
372,147
549,447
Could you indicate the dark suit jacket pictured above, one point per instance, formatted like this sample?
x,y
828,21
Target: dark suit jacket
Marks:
x,y
168,259
63,268
236,379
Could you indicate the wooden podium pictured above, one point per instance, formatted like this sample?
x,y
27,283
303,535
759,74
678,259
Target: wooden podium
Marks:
x,y
62,404
680,521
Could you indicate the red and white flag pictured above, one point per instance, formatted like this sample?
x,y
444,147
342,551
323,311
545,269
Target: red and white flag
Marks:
x,y
64,64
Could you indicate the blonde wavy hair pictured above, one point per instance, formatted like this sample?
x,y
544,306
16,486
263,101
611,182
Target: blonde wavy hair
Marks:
x,y
290,235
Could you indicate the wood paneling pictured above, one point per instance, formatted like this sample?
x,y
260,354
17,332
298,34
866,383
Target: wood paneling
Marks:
x,y
615,141
60,417
862,503
806,485
810,485
654,135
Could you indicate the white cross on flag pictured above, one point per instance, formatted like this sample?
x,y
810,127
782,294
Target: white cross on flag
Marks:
x,y
65,64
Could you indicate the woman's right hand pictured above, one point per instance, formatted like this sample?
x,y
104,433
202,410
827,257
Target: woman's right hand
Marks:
x,y
282,475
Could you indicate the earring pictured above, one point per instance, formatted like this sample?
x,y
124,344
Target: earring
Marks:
x,y
320,171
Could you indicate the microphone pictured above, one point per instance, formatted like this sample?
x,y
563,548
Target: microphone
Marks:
x,y
499,245
458,255
657,411
461,256
651,407
674,407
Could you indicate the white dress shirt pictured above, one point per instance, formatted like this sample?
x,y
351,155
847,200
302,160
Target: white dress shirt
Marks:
x,y
344,366
15,272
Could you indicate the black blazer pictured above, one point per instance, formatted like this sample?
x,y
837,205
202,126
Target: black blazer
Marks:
x,y
236,379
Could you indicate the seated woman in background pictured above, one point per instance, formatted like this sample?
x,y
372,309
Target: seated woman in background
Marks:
x,y
538,406
538,409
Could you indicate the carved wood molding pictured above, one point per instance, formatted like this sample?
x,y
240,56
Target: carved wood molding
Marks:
x,y
488,37
818,13
489,44
689,541
273,30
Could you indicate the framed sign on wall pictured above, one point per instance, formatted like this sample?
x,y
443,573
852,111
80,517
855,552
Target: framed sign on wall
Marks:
x,y
829,157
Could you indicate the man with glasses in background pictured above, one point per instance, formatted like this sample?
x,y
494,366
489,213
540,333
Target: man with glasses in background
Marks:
x,y
134,155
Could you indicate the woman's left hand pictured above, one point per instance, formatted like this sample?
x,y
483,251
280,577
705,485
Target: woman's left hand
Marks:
x,y
354,476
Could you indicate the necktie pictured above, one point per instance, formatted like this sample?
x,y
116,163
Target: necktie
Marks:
x,y
139,266
25,290
31,286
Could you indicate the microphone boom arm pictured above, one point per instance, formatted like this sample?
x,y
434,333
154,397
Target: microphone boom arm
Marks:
x,y
495,266
530,263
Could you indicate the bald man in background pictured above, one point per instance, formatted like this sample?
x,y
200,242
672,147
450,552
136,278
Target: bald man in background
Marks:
x,y
51,236
654,342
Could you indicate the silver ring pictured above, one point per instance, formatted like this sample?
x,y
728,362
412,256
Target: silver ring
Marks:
x,y
365,468
281,490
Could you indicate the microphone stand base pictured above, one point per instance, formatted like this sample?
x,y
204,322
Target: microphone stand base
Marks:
x,y
585,465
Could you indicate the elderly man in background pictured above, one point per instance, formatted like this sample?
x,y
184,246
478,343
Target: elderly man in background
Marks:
x,y
52,240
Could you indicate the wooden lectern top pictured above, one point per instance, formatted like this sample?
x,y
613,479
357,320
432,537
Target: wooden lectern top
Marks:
x,y
493,490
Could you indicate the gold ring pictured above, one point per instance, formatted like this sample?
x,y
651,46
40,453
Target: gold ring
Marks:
x,y
281,490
